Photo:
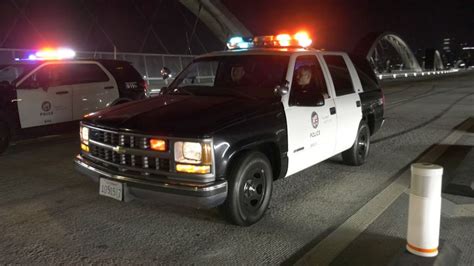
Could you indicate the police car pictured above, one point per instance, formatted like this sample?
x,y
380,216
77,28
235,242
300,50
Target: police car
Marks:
x,y
51,88
233,122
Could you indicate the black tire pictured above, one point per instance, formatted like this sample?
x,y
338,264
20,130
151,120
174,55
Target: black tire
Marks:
x,y
250,189
357,154
4,136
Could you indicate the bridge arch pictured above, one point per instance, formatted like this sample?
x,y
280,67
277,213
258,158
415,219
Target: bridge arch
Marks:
x,y
373,45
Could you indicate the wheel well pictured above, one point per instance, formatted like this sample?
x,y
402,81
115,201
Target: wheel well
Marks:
x,y
269,149
370,120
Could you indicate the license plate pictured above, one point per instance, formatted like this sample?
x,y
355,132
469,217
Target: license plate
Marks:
x,y
111,189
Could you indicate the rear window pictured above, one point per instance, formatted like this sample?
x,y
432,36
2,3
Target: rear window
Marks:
x,y
365,72
340,74
87,73
122,71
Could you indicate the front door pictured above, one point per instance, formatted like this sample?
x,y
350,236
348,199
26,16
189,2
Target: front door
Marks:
x,y
45,97
311,123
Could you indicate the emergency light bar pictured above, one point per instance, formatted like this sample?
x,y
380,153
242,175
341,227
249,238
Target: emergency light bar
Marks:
x,y
300,39
52,54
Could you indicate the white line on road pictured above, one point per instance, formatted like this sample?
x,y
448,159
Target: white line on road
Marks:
x,y
331,246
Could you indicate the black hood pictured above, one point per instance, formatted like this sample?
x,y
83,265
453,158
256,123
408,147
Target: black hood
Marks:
x,y
182,116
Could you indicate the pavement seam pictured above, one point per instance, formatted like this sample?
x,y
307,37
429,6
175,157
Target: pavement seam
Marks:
x,y
331,246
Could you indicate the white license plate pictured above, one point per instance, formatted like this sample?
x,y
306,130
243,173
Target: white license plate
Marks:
x,y
111,189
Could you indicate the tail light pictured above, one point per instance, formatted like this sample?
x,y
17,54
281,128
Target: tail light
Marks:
x,y
144,85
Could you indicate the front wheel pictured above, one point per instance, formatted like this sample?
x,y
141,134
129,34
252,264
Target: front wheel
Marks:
x,y
357,154
250,189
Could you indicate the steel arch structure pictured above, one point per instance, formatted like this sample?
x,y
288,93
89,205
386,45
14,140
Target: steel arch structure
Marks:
x,y
370,47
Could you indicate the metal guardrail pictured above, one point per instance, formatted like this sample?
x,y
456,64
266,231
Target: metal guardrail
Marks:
x,y
149,65
411,74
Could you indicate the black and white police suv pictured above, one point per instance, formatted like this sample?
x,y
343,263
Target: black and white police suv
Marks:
x,y
233,122
37,94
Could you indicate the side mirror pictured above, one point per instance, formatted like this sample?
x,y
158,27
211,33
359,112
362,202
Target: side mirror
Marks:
x,y
320,100
282,89
165,73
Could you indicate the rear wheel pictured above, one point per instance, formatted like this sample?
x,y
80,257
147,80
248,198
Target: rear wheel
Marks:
x,y
357,154
250,189
4,136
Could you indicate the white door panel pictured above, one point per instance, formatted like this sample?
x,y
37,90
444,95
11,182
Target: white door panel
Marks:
x,y
307,144
311,129
38,107
348,119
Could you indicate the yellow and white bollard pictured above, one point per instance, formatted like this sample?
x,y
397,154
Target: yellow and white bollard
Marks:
x,y
424,213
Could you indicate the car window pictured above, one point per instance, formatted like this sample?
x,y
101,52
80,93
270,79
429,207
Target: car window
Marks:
x,y
87,73
308,82
201,74
368,84
48,76
253,76
366,74
340,74
122,71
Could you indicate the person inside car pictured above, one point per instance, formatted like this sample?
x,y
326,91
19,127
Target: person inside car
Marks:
x,y
237,74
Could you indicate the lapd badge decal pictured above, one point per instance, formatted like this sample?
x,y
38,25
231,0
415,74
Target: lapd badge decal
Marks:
x,y
46,110
314,120
46,106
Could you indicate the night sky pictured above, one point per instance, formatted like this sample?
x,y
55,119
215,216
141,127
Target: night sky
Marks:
x,y
335,24
339,24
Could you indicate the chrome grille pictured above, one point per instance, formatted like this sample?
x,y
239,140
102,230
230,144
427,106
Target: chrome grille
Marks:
x,y
101,146
115,139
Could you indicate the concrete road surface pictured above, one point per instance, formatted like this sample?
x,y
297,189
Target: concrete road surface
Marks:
x,y
51,214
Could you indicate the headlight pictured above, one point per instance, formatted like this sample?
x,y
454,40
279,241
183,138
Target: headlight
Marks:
x,y
84,133
192,152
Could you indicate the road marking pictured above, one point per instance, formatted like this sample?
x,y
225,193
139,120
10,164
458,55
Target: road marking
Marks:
x,y
331,246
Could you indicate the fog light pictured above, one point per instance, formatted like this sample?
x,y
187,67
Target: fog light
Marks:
x,y
193,169
84,147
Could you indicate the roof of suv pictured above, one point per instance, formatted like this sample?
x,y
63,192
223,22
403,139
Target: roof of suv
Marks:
x,y
258,51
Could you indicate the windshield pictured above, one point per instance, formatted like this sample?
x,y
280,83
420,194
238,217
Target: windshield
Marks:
x,y
253,76
10,73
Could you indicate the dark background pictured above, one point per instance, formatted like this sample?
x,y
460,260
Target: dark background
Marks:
x,y
99,25
339,24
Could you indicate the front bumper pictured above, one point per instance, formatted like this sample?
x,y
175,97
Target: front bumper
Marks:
x,y
197,195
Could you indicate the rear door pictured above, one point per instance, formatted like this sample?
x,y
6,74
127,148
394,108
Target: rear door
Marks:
x,y
346,85
311,128
94,88
45,96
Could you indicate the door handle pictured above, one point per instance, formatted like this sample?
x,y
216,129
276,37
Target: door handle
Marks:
x,y
332,110
108,87
358,103
62,92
